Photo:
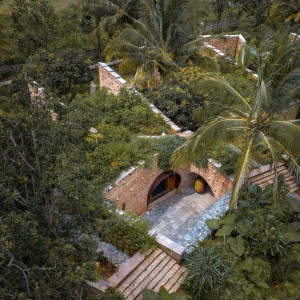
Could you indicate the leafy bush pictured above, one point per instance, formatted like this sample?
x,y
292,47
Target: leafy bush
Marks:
x,y
163,294
59,71
227,156
127,232
205,268
176,96
265,261
165,148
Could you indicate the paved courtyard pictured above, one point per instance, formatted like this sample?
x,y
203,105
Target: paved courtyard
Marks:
x,y
179,214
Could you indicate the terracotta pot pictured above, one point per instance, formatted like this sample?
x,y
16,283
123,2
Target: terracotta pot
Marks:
x,y
199,185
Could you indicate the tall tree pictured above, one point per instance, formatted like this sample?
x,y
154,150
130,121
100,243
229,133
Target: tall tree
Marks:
x,y
260,9
219,6
161,39
258,126
58,71
285,11
33,23
48,208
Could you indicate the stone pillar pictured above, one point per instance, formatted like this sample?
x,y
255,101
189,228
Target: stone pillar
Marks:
x,y
92,88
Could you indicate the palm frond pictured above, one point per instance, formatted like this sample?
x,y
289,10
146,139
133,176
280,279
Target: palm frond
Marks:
x,y
245,165
213,88
262,99
218,131
286,133
294,166
275,157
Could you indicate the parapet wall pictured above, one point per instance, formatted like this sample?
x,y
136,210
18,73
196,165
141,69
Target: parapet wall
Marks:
x,y
110,79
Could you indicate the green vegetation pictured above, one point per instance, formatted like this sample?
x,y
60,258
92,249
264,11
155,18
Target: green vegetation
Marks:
x,y
163,294
51,191
163,38
177,98
58,71
253,255
257,125
53,173
127,232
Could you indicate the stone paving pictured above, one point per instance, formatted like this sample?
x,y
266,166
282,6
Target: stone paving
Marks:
x,y
178,216
199,230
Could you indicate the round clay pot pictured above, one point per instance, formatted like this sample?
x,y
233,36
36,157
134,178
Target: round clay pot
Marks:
x,y
199,185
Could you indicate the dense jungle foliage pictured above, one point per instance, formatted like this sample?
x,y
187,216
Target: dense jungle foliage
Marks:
x,y
253,253
53,174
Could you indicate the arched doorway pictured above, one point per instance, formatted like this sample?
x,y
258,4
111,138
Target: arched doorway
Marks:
x,y
163,184
190,178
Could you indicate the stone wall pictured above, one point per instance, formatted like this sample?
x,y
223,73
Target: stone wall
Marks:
x,y
131,190
110,79
232,45
114,82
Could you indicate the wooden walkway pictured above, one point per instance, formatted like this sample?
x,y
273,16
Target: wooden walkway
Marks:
x,y
149,271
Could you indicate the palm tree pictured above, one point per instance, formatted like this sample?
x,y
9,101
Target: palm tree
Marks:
x,y
118,12
258,124
286,10
162,38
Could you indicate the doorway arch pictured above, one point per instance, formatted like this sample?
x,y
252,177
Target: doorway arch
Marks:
x,y
163,184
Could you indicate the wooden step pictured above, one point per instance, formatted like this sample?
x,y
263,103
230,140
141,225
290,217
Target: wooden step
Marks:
x,y
165,279
259,174
292,184
176,286
173,280
263,178
269,174
161,274
128,267
263,169
143,280
142,266
295,189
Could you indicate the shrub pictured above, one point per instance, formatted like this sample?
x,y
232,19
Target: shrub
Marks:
x,y
177,96
165,148
206,267
127,232
264,263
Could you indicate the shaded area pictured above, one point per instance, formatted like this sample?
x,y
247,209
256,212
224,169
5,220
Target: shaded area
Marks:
x,y
178,215
163,184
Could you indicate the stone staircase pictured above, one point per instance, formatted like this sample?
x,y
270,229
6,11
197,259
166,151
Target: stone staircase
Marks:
x,y
151,271
265,175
